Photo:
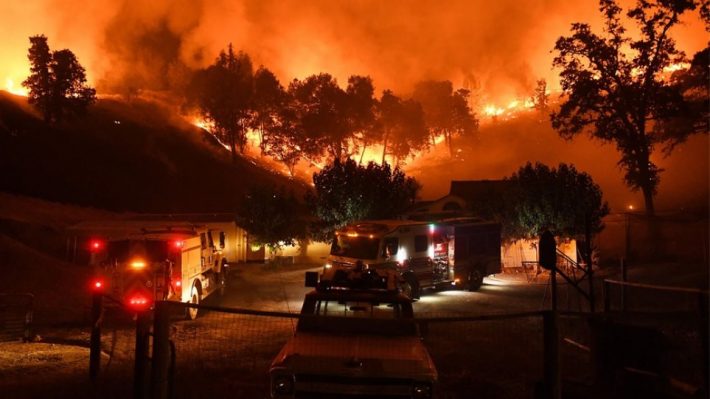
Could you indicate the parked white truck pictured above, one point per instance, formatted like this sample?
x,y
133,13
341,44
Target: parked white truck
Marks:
x,y
445,253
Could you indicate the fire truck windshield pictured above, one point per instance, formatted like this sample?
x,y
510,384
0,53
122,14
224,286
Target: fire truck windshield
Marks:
x,y
358,247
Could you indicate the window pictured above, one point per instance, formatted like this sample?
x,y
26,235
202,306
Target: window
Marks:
x,y
203,240
421,243
209,239
222,239
359,247
391,247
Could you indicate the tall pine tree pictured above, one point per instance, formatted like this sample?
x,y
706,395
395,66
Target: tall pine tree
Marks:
x,y
57,82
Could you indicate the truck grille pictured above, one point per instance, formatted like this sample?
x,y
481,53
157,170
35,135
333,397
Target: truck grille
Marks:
x,y
325,387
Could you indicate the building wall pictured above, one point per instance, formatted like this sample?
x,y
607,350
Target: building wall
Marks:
x,y
312,252
514,254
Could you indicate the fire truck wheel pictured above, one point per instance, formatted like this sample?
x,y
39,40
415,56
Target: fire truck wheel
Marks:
x,y
475,280
410,287
195,299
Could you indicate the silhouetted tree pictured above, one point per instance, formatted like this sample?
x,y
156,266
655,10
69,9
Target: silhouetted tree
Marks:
x,y
346,192
39,83
70,93
446,111
273,217
403,127
693,83
288,142
57,82
321,107
361,105
269,98
540,98
623,98
223,94
561,199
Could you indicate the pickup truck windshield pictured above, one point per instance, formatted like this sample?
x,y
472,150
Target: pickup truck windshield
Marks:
x,y
358,247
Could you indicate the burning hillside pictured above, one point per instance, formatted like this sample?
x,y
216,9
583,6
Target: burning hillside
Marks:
x,y
123,156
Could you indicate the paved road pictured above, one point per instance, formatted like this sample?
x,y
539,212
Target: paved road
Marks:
x,y
260,287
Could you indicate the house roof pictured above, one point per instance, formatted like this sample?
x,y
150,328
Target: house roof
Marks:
x,y
473,190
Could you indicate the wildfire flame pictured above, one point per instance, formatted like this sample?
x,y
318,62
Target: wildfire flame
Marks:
x,y
679,66
492,110
10,88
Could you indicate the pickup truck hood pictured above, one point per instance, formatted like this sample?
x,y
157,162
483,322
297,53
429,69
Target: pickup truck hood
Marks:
x,y
356,356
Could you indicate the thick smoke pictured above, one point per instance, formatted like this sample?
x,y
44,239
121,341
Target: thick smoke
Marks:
x,y
500,48
497,48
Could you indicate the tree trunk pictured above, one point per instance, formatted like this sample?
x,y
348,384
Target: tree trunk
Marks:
x,y
447,135
362,154
233,145
384,147
646,178
648,199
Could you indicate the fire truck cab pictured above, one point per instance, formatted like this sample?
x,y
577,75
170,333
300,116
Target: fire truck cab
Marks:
x,y
446,253
185,264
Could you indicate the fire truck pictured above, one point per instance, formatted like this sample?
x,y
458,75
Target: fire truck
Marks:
x,y
447,253
184,264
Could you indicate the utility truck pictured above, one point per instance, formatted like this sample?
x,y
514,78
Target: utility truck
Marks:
x,y
455,253
185,264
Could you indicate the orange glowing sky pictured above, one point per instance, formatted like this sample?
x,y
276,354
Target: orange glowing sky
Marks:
x,y
502,47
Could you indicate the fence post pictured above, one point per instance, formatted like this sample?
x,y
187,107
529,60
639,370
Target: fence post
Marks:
x,y
590,271
161,351
95,342
606,292
623,286
703,309
551,356
553,287
29,316
141,360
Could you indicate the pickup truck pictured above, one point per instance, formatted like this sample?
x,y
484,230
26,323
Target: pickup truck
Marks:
x,y
354,343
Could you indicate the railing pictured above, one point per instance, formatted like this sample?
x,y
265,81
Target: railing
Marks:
x,y
16,311
679,313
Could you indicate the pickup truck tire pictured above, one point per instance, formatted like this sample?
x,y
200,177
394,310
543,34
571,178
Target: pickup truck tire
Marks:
x,y
191,313
475,279
410,287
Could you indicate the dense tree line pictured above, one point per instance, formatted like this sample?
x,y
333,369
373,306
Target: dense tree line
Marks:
x,y
316,119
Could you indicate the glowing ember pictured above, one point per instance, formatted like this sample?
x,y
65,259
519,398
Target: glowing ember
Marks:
x,y
202,124
10,88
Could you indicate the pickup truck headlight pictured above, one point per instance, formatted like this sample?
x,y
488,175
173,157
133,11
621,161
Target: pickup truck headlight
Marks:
x,y
421,390
282,385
